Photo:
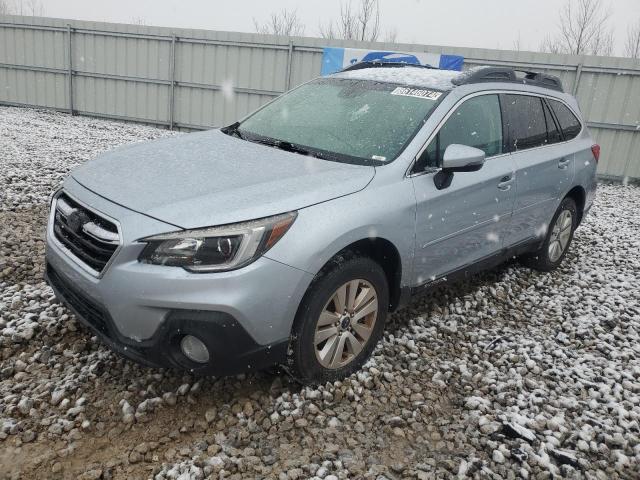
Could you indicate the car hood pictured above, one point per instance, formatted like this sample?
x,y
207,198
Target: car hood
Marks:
x,y
210,178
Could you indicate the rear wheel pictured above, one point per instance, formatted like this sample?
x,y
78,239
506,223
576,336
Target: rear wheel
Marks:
x,y
558,238
339,321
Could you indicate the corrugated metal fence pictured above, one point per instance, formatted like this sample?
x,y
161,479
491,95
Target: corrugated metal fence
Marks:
x,y
195,79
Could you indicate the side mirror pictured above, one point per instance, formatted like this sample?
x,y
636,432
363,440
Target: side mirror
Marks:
x,y
460,158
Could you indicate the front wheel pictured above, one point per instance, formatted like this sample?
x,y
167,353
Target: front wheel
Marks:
x,y
558,238
340,320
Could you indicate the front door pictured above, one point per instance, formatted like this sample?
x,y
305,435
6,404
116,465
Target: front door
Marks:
x,y
465,222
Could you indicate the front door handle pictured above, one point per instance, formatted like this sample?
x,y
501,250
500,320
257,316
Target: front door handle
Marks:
x,y
505,182
563,163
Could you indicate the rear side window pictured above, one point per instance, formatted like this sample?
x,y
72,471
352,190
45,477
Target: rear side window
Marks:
x,y
553,132
476,123
526,121
569,124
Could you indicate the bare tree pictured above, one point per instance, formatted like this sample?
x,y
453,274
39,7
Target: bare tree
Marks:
x,y
517,43
7,7
550,45
285,23
391,36
343,27
361,22
368,17
583,29
603,44
632,45
22,7
138,21
34,8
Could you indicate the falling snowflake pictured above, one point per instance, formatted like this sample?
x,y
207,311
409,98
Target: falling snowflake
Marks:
x,y
228,90
541,231
493,237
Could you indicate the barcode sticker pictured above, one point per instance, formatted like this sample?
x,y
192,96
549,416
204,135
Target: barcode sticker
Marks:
x,y
417,92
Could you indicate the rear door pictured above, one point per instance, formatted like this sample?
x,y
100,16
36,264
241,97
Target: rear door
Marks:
x,y
465,221
544,165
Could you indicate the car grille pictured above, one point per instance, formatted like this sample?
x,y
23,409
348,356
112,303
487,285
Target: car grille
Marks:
x,y
90,311
88,236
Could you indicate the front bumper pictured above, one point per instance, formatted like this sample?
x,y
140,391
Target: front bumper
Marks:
x,y
232,348
142,311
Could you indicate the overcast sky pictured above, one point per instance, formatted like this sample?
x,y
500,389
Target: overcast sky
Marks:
x,y
468,23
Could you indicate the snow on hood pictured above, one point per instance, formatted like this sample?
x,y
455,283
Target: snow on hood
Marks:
x,y
209,178
415,76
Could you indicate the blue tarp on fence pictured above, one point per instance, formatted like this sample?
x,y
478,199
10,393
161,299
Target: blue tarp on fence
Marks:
x,y
335,59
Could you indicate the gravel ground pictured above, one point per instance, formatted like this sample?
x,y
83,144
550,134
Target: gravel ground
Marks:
x,y
514,374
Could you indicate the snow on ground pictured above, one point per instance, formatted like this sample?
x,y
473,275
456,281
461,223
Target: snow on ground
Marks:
x,y
38,149
514,374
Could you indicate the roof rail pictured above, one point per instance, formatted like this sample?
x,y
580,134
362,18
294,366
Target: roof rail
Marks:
x,y
510,75
379,64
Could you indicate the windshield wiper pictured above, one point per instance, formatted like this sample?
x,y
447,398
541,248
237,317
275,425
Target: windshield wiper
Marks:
x,y
291,147
284,145
233,129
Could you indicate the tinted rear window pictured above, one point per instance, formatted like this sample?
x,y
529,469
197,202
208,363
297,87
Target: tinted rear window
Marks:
x,y
568,122
527,124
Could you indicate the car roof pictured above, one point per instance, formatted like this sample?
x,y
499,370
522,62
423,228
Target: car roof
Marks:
x,y
408,75
446,80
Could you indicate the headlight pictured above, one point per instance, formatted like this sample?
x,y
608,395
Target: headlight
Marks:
x,y
52,195
216,249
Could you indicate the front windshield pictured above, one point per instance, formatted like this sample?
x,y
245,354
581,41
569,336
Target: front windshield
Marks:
x,y
345,119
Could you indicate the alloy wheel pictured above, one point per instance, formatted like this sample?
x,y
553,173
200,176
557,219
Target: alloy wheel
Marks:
x,y
560,235
346,324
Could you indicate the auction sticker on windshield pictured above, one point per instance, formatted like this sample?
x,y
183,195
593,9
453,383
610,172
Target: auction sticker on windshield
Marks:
x,y
417,92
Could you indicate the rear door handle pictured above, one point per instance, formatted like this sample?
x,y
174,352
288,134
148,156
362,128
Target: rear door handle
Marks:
x,y
563,163
505,182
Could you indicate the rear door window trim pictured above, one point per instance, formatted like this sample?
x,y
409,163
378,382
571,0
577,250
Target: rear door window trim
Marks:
x,y
554,119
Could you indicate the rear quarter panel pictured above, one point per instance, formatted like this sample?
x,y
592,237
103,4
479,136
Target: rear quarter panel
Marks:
x,y
585,165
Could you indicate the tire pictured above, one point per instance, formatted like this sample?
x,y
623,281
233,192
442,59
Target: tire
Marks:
x,y
307,352
548,258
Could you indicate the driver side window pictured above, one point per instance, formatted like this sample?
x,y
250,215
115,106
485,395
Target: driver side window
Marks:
x,y
476,123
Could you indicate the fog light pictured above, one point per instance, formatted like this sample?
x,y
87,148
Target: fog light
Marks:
x,y
194,349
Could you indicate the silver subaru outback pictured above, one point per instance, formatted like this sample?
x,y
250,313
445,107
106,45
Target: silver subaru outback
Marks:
x,y
287,238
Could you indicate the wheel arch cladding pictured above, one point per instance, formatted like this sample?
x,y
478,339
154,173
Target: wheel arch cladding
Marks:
x,y
385,253
579,196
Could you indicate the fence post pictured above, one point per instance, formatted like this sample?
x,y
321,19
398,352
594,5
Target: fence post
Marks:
x,y
287,81
70,67
172,78
576,83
